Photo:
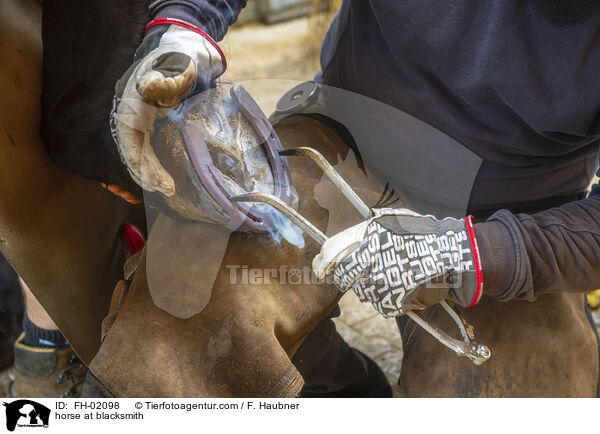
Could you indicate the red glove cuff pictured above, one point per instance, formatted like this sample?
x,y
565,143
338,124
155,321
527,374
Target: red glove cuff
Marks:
x,y
193,28
476,259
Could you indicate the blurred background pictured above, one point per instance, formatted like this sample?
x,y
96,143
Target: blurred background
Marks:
x,y
278,39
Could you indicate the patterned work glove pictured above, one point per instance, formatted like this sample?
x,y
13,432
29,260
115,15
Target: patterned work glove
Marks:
x,y
174,59
400,261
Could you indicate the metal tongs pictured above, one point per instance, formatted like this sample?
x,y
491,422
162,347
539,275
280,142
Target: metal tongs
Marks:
x,y
477,353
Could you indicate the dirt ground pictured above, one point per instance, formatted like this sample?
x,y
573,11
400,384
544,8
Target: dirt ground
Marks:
x,y
285,51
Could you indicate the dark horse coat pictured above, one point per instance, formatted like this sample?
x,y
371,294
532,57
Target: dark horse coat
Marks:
x,y
87,47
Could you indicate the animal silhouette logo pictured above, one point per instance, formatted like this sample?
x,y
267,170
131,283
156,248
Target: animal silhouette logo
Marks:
x,y
26,413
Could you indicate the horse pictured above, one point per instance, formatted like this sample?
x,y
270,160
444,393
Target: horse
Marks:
x,y
60,232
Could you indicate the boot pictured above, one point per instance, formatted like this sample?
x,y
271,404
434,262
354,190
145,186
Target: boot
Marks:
x,y
46,372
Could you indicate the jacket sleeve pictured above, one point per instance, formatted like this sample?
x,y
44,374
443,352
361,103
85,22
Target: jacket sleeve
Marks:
x,y
212,16
557,250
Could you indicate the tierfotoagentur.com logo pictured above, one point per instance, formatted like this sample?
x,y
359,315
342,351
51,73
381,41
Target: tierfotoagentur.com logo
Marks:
x,y
243,275
25,413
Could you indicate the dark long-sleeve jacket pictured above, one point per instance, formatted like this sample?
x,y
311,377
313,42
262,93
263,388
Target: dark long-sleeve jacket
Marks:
x,y
213,16
515,82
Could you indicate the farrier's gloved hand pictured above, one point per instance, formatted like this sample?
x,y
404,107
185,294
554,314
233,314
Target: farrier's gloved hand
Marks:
x,y
400,261
173,60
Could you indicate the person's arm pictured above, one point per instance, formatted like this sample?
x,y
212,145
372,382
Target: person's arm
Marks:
x,y
401,261
212,16
557,250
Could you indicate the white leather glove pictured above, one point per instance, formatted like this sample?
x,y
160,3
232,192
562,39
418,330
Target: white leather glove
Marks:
x,y
174,60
